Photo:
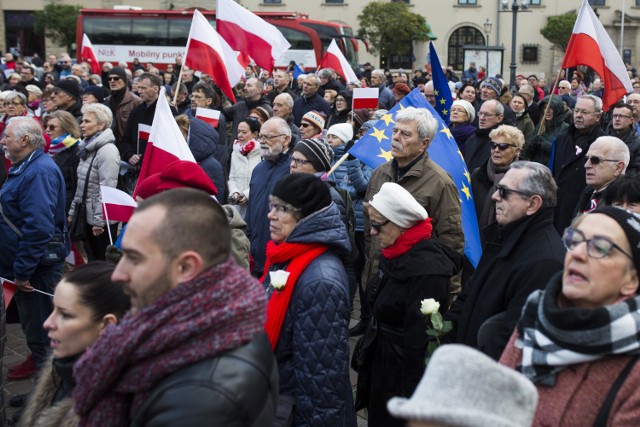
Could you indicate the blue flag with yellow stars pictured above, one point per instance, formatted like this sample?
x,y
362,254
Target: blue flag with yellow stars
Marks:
x,y
440,86
374,149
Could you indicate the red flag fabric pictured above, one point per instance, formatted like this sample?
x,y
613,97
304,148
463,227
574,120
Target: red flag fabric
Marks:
x,y
8,289
248,33
87,54
166,143
334,58
74,257
116,204
208,115
211,54
365,97
590,45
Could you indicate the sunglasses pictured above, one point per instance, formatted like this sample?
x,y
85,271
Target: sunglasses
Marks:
x,y
304,125
51,127
501,146
378,225
595,160
114,79
504,192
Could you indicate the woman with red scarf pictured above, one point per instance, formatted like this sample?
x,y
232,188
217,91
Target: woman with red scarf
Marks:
x,y
414,266
309,306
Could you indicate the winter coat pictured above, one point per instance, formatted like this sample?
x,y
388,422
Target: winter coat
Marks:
x,y
516,260
303,105
202,141
525,124
128,145
239,242
104,171
231,384
461,133
68,162
222,150
633,143
477,149
395,343
122,110
336,117
263,179
353,176
538,149
580,391
567,165
386,98
33,198
313,348
241,170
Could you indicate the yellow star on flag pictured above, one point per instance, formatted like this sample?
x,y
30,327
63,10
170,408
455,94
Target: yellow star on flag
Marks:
x,y
443,101
436,93
379,134
385,154
447,132
466,173
459,153
466,191
445,112
388,118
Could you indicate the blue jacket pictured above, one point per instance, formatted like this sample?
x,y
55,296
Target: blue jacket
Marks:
x,y
313,349
303,105
353,176
263,179
386,98
33,198
222,151
202,141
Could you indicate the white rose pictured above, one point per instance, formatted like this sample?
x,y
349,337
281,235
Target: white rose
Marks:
x,y
429,306
278,279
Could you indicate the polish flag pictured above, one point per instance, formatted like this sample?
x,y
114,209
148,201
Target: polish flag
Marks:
x,y
166,143
248,33
8,289
209,53
590,45
143,134
208,115
74,257
116,204
334,58
88,54
366,97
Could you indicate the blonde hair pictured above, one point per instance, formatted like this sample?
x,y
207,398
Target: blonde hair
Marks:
x,y
511,133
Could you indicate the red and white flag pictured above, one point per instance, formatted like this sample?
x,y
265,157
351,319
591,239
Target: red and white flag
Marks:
x,y
248,33
116,204
166,143
334,58
365,97
208,115
8,289
590,45
87,54
211,54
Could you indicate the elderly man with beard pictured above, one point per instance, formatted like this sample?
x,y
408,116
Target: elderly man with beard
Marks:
x,y
275,142
283,108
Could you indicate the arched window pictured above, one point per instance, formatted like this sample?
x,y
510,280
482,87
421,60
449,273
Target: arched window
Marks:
x,y
460,37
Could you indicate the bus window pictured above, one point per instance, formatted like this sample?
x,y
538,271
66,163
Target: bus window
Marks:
x,y
108,31
151,32
179,32
297,39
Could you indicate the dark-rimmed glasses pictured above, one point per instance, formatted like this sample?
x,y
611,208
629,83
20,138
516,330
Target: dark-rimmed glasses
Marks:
x,y
598,247
504,192
595,160
501,145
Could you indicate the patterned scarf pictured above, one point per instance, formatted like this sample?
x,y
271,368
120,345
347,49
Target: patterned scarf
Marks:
x,y
419,232
553,338
221,309
61,143
300,256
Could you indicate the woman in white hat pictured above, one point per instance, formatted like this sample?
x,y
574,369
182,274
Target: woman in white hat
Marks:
x,y
414,266
461,121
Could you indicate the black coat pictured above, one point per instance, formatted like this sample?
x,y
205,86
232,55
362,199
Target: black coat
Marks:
x,y
516,260
477,149
567,165
68,162
236,388
303,105
128,145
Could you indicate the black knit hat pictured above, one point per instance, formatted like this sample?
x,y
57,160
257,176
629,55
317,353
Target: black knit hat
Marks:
x,y
304,191
317,151
630,223
120,72
70,87
96,91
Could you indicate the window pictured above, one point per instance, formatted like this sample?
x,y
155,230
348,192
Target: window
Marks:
x,y
460,37
534,2
596,2
467,2
334,1
530,54
272,1
401,1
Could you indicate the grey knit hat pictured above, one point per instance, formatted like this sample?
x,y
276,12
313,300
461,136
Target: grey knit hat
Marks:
x,y
317,151
465,388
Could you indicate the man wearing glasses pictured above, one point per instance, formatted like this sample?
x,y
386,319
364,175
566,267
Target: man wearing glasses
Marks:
x,y
568,157
522,252
477,149
622,126
275,142
121,101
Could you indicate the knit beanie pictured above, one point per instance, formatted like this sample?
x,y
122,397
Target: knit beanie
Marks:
x,y
471,112
398,205
317,151
70,87
630,223
314,118
96,91
303,191
120,72
344,131
179,174
494,84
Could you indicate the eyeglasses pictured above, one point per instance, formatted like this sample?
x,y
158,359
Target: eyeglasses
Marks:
x,y
459,110
15,104
282,209
501,146
595,160
196,96
114,79
483,114
340,100
51,127
584,112
304,125
504,192
268,137
378,225
598,247
620,116
299,162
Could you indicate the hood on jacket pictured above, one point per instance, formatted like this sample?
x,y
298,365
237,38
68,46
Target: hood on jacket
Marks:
x,y
558,110
324,226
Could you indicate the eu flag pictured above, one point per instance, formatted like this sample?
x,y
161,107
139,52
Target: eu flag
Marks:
x,y
440,86
297,71
374,149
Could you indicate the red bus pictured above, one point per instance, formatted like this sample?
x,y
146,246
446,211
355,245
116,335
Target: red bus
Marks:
x,y
158,36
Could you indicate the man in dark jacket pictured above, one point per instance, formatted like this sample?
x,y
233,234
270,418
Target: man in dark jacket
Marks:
x,y
477,149
193,349
568,157
622,126
282,84
521,253
310,99
121,101
253,98
275,141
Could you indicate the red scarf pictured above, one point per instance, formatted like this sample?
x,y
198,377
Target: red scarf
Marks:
x,y
247,148
419,232
300,255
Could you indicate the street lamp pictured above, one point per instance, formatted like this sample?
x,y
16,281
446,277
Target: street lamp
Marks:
x,y
487,30
515,7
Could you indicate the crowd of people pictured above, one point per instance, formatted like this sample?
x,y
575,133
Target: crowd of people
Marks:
x,y
228,295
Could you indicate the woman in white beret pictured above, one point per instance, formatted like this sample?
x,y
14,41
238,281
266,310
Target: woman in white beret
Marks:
x,y
414,266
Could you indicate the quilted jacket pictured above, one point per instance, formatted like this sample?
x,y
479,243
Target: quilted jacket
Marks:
x,y
203,143
313,349
353,176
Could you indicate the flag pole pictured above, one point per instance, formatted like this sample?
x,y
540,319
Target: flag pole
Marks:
x,y
106,216
542,126
335,166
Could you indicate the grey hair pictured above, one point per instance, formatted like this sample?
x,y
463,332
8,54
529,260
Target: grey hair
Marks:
x,y
597,102
258,83
498,108
13,95
427,125
510,133
288,99
528,89
103,114
616,149
316,79
379,73
538,181
283,126
325,73
30,127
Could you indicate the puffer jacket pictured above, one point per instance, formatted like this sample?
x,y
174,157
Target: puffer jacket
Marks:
x,y
202,141
313,349
353,176
222,150
104,171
